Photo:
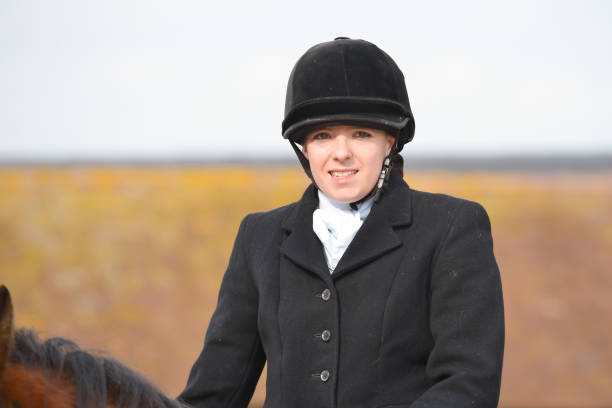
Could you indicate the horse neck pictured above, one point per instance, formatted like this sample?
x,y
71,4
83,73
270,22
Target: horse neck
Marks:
x,y
34,388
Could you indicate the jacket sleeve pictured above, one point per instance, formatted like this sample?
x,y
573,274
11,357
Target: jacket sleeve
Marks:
x,y
466,316
226,372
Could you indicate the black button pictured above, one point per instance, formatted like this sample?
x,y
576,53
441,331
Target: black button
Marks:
x,y
341,38
326,294
324,375
326,335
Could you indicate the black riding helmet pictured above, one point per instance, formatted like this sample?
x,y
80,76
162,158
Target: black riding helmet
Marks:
x,y
347,82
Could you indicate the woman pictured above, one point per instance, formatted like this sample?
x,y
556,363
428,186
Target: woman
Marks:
x,y
365,293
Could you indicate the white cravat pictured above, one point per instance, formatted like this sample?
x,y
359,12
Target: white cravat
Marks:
x,y
336,224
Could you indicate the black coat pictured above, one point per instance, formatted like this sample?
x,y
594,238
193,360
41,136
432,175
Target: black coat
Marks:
x,y
411,317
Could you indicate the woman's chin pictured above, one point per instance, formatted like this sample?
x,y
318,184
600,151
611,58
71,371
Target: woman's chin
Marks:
x,y
345,197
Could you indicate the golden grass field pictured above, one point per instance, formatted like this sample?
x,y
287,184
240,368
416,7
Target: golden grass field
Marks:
x,y
128,260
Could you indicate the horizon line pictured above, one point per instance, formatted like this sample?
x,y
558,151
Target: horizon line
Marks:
x,y
442,162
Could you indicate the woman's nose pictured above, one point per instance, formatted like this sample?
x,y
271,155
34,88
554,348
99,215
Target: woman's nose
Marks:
x,y
342,148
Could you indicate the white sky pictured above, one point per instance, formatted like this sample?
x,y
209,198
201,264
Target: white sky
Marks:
x,y
129,78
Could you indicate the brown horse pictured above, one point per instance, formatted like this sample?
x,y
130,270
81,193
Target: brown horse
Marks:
x,y
56,373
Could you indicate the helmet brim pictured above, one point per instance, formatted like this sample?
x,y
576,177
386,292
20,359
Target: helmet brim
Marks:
x,y
387,122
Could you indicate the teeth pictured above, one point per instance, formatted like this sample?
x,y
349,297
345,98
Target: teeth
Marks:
x,y
343,173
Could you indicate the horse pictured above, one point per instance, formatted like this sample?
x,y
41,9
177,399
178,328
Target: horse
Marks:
x,y
56,373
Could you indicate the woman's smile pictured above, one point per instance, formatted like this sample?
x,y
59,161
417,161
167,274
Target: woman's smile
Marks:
x,y
343,175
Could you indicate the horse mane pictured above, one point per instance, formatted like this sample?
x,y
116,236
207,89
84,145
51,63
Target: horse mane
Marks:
x,y
92,379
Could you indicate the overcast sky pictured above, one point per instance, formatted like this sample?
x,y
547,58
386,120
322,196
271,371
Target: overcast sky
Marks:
x,y
129,78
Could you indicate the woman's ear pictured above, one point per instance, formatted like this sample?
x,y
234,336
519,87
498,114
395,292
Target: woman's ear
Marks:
x,y
304,150
390,142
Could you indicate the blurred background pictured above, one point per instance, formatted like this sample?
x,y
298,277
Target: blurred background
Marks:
x,y
134,136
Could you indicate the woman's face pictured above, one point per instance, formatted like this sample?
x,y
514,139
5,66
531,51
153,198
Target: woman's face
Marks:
x,y
345,161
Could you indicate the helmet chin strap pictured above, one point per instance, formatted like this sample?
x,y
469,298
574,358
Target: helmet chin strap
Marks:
x,y
303,160
381,183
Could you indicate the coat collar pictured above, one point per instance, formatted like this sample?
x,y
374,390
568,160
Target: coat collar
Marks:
x,y
375,238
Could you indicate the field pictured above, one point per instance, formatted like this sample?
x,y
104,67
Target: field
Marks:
x,y
128,260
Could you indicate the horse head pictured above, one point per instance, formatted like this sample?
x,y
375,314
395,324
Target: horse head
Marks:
x,y
56,373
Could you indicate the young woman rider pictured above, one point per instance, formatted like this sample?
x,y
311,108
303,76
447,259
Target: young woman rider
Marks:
x,y
365,292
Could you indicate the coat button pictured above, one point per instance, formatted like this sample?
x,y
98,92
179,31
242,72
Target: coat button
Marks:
x,y
324,375
325,335
326,294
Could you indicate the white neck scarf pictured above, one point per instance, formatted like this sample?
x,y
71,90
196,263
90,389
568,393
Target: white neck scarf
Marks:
x,y
336,224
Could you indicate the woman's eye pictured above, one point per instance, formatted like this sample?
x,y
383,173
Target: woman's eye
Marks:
x,y
321,136
362,134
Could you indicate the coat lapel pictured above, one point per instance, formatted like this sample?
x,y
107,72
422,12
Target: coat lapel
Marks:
x,y
375,238
302,245
377,235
